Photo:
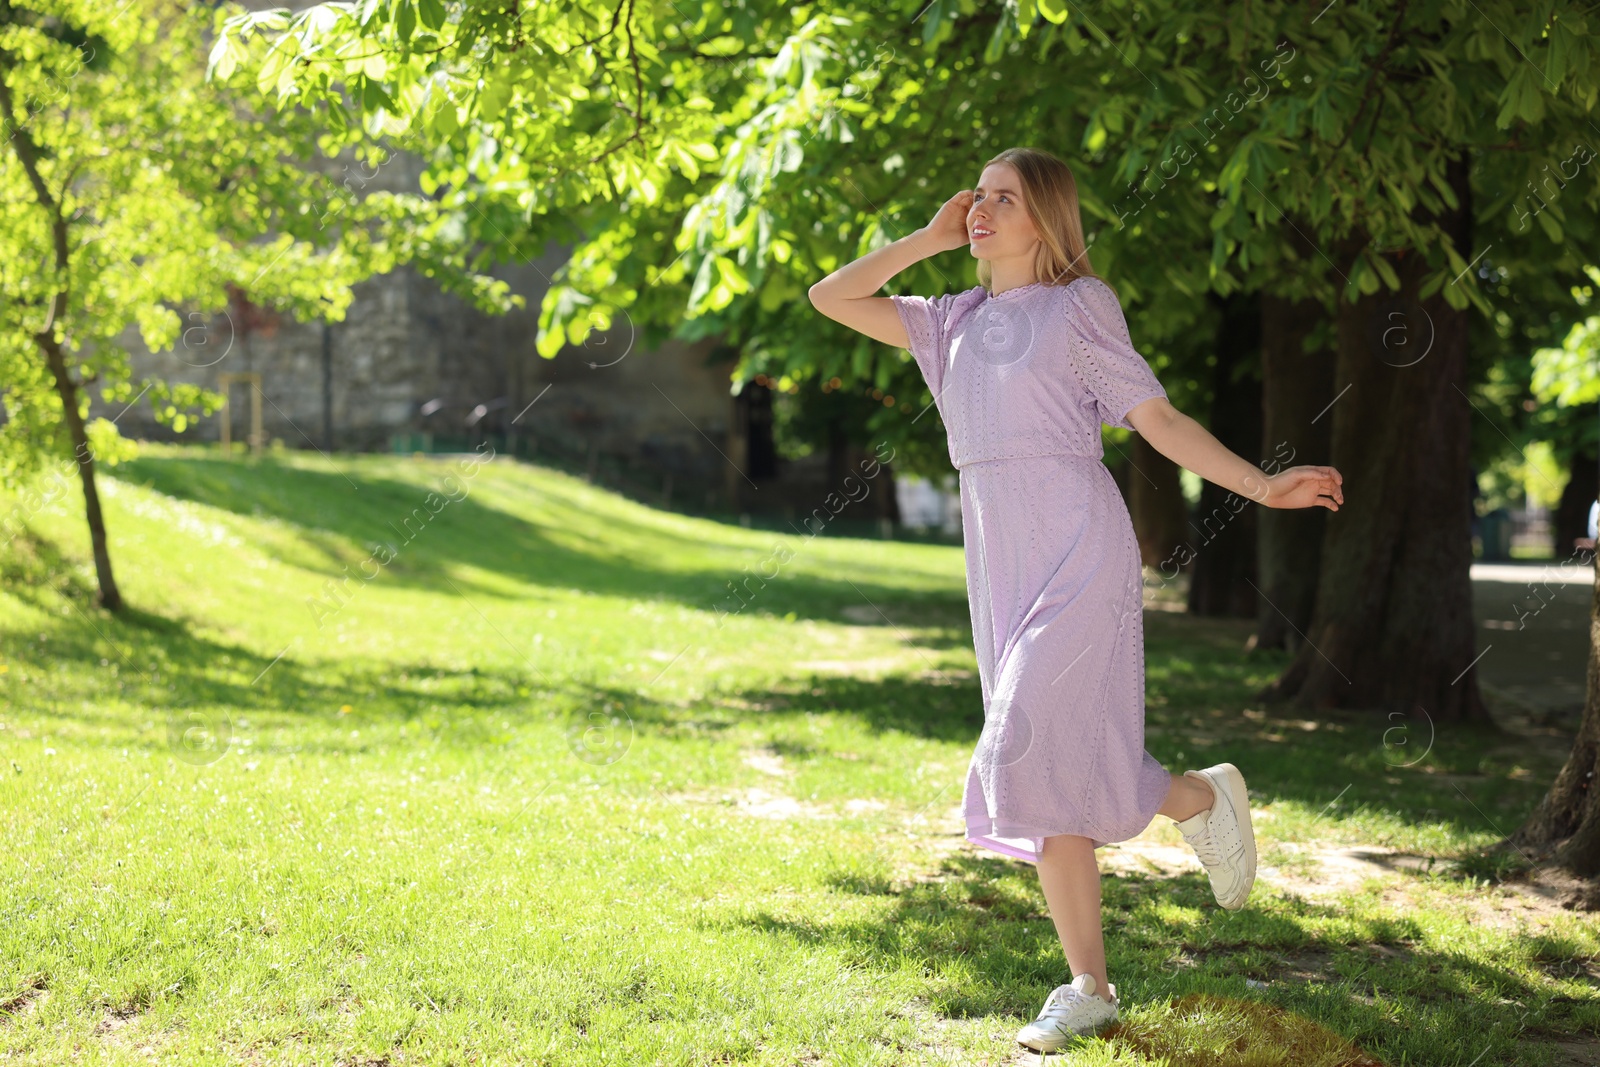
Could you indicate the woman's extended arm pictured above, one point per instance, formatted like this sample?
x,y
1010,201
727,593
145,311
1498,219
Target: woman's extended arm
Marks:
x,y
846,294
1191,446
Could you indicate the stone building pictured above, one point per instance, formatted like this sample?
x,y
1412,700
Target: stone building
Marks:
x,y
414,368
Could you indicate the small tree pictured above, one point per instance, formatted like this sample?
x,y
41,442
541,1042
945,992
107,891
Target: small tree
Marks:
x,y
131,192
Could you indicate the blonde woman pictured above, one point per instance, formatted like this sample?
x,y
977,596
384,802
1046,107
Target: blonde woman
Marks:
x,y
1024,368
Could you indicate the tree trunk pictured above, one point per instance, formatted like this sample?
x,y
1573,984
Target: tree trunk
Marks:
x,y
1296,387
888,499
1565,827
1392,627
67,389
1224,524
1160,513
838,454
1572,513
27,153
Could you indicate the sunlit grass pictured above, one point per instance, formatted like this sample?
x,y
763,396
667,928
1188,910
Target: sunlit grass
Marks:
x,y
543,790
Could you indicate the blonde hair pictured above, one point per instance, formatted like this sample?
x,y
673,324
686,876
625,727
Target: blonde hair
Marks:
x,y
1050,196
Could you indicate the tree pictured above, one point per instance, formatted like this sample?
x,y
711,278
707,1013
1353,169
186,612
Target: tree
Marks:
x,y
1565,827
1377,192
134,193
1296,388
1368,160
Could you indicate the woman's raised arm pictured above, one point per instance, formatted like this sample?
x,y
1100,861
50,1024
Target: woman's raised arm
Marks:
x,y
846,295
1192,447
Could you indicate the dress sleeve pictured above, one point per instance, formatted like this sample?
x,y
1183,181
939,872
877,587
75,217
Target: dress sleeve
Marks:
x,y
1117,377
928,321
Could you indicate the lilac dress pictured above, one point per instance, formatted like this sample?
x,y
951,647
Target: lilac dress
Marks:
x,y
1023,381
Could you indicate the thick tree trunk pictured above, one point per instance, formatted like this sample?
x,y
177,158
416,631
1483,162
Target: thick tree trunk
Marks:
x,y
1572,513
1223,580
1392,628
838,464
1296,388
1565,827
1160,513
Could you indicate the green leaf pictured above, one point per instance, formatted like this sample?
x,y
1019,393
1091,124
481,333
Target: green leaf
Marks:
x,y
1054,10
732,276
276,63
444,121
1559,50
1522,98
1219,251
1431,283
1355,282
222,61
405,19
1532,105
1386,270
1550,224
1367,278
702,281
1436,179
686,162
432,13
997,41
494,96
1233,172
1094,137
1026,13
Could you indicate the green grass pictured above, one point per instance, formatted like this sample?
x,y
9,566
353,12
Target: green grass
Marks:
x,y
527,796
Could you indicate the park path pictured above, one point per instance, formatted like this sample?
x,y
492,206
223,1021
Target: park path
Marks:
x,y
1533,652
1533,641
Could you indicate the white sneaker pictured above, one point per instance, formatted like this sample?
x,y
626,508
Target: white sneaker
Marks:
x,y
1069,1011
1222,836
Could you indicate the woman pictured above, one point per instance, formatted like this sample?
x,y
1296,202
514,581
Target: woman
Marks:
x,y
1024,368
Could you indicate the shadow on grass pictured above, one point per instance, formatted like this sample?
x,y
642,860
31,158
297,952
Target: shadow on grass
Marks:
x,y
342,514
1181,967
1205,1030
1196,689
91,663
1340,768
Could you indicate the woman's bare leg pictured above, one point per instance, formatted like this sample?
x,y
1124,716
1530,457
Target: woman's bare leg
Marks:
x,y
1186,798
1070,878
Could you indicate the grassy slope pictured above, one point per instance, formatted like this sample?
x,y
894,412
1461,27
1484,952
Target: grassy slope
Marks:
x,y
526,796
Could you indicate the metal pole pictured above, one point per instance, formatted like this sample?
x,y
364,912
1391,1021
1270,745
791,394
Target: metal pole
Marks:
x,y
226,381
256,441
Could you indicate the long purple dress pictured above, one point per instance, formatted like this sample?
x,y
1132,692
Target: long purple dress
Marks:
x,y
1023,381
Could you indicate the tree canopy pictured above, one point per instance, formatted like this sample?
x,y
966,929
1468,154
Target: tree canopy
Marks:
x,y
137,195
711,161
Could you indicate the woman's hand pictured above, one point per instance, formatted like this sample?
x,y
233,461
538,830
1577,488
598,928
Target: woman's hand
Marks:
x,y
1305,487
948,230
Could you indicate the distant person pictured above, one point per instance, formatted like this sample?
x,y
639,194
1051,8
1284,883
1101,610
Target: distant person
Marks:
x,y
1024,369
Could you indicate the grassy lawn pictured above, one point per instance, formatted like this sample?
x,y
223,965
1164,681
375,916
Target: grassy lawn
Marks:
x,y
534,787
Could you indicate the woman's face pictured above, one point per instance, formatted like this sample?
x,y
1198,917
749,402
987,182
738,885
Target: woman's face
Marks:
x,y
998,226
